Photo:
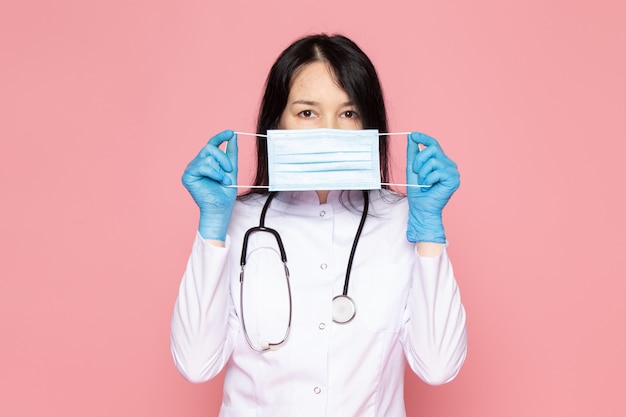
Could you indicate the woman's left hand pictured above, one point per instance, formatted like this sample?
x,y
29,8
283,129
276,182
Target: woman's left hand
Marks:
x,y
431,167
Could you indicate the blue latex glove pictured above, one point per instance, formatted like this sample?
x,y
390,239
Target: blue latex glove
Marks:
x,y
207,177
434,168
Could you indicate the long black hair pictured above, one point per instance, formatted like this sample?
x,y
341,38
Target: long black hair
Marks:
x,y
354,72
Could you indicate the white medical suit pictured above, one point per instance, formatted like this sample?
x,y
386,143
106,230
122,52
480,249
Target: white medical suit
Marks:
x,y
407,307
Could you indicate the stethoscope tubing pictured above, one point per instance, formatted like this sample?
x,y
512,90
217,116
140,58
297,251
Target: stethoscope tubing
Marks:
x,y
343,303
357,237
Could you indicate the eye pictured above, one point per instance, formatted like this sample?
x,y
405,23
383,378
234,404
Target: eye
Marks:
x,y
350,114
306,114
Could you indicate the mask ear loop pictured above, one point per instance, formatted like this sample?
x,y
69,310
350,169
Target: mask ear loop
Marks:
x,y
249,186
251,134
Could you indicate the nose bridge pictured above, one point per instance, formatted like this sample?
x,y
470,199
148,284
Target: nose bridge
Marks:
x,y
330,122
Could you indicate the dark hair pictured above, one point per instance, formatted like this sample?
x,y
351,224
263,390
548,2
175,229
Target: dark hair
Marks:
x,y
355,73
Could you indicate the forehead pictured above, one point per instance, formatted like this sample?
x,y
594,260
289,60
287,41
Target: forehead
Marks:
x,y
316,80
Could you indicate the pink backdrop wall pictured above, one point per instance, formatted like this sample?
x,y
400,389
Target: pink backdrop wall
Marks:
x,y
104,102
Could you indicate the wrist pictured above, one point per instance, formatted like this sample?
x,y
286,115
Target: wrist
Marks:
x,y
429,249
425,227
213,227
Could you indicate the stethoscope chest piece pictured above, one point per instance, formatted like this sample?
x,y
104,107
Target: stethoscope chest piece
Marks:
x,y
344,309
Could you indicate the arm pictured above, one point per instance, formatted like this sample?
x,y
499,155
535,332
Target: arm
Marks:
x,y
204,325
204,322
435,336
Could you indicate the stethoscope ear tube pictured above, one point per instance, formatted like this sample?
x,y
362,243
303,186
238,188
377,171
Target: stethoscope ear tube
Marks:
x,y
249,232
261,228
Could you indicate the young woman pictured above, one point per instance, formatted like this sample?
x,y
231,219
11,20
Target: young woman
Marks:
x,y
367,286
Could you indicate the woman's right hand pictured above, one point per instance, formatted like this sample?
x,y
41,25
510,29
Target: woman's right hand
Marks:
x,y
207,178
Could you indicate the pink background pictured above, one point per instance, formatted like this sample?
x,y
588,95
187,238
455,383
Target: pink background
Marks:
x,y
103,103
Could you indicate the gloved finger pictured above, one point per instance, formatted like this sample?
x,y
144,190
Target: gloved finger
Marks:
x,y
232,150
211,169
432,152
430,165
424,139
423,163
412,152
221,137
211,149
426,152
448,178
215,156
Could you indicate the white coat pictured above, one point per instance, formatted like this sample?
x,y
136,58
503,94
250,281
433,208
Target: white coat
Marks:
x,y
408,307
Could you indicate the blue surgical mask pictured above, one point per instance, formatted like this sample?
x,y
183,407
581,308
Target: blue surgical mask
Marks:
x,y
323,159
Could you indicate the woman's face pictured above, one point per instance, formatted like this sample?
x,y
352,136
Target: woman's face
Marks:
x,y
316,101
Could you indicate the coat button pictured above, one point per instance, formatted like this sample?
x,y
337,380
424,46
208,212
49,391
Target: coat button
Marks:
x,y
323,267
322,213
317,390
322,326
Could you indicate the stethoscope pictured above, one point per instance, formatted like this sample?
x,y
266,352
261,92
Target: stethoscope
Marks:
x,y
343,307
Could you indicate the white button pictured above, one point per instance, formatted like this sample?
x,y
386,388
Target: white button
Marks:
x,y
317,390
323,266
322,213
322,326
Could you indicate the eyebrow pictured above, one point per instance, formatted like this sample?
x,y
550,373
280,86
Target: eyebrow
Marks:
x,y
315,103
